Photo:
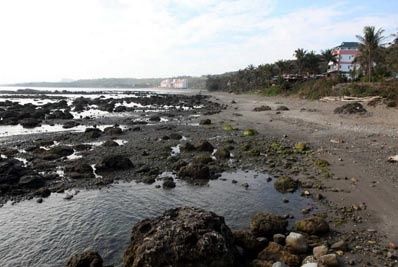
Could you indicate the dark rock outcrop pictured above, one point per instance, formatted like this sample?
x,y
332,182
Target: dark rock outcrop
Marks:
x,y
92,133
113,131
262,108
30,123
181,237
114,163
80,170
194,171
86,259
204,146
351,108
285,184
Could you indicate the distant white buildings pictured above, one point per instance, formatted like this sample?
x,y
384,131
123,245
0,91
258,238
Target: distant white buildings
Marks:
x,y
345,55
174,83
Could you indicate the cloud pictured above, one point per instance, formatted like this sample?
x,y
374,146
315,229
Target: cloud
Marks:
x,y
51,40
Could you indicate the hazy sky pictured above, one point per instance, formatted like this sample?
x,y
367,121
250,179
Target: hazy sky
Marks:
x,y
55,39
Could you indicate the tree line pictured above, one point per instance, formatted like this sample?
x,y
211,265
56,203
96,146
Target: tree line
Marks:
x,y
378,59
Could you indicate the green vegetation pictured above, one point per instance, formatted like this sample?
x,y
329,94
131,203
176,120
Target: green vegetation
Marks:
x,y
227,127
305,76
249,132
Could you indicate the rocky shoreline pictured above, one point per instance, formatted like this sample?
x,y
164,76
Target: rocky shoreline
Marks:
x,y
169,137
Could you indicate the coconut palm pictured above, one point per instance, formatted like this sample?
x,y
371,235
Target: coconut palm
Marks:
x,y
328,56
300,55
369,48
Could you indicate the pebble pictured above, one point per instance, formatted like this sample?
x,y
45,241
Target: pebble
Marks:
x,y
329,260
279,264
296,242
339,245
320,251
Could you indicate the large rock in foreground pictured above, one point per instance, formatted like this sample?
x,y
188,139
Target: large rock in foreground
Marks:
x,y
181,237
86,259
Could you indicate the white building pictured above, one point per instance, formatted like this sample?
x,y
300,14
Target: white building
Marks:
x,y
174,83
345,55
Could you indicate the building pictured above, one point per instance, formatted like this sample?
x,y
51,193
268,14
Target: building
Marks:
x,y
345,55
174,83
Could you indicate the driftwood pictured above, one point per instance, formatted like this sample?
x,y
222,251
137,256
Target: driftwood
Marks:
x,y
350,98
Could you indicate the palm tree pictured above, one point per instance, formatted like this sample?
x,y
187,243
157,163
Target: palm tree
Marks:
x,y
300,58
327,56
369,47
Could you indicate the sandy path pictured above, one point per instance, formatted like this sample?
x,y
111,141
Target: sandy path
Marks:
x,y
360,163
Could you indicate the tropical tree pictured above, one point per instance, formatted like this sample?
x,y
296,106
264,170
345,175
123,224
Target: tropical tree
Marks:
x,y
300,59
369,48
327,56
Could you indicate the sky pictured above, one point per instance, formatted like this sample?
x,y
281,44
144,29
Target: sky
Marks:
x,y
51,40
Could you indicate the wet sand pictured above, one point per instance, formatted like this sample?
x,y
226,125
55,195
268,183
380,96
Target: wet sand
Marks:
x,y
356,146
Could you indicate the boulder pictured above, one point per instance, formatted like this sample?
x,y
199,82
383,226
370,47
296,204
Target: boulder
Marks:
x,y
188,147
175,136
222,153
11,170
92,133
110,143
282,108
181,237
262,108
296,243
80,170
205,122
70,124
204,146
275,252
313,226
30,123
285,184
267,224
113,131
168,182
114,163
194,171
329,260
155,118
319,251
246,240
60,115
31,181
120,109
85,259
351,108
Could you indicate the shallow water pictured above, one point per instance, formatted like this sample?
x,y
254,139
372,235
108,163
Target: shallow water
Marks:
x,y
47,234
12,130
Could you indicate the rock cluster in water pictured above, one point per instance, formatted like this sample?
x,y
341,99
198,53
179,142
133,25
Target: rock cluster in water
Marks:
x,y
189,236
